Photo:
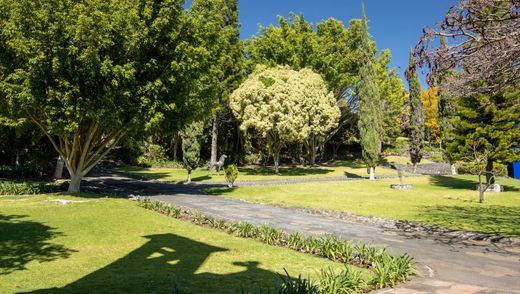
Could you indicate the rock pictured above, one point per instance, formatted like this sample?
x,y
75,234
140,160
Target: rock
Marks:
x,y
401,187
494,188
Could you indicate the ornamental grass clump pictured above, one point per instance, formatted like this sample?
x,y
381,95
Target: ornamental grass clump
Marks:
x,y
346,281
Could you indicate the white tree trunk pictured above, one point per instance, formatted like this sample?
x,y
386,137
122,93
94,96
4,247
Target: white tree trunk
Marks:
x,y
214,141
276,158
58,170
372,174
189,177
75,183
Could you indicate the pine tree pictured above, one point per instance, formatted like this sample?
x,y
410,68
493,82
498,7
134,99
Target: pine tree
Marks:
x,y
416,114
191,138
370,122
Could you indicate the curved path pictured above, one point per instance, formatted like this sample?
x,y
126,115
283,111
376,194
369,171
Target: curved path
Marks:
x,y
445,267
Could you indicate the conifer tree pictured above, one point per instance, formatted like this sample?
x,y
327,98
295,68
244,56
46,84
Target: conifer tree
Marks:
x,y
191,139
416,115
370,107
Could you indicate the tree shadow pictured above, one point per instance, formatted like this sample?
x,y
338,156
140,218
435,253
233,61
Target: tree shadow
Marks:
x,y
493,219
454,182
354,176
167,262
347,163
22,241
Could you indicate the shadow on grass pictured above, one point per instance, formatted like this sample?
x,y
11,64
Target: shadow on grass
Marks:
x,y
454,182
167,263
494,219
22,241
347,163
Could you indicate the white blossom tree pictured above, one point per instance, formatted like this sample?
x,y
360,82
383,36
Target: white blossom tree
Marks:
x,y
285,106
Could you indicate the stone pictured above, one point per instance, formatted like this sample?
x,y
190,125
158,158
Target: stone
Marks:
x,y
401,187
494,188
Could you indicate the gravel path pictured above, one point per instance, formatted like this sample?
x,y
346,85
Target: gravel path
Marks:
x,y
446,266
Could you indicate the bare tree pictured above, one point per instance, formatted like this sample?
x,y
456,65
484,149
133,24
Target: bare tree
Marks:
x,y
483,53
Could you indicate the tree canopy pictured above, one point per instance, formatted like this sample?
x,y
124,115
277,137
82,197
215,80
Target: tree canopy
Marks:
x,y
89,72
284,105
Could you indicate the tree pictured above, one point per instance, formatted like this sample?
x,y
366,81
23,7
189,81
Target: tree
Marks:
x,y
191,138
430,101
393,96
229,66
485,52
370,107
284,106
89,72
416,115
485,129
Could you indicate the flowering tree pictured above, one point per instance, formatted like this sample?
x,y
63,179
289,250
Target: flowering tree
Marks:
x,y
284,106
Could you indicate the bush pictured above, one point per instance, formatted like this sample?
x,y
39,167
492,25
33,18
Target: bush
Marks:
x,y
231,174
26,188
153,155
470,168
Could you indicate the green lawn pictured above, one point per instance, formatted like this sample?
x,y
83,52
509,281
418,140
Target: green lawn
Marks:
x,y
109,245
255,173
448,201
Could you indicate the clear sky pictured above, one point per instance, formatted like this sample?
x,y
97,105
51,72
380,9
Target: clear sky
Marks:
x,y
393,24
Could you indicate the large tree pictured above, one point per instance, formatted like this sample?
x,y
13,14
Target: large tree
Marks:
x,y
416,115
283,106
370,122
486,129
88,72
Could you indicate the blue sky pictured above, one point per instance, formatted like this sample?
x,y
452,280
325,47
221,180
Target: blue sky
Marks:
x,y
393,24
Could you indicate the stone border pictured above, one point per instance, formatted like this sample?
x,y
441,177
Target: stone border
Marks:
x,y
417,230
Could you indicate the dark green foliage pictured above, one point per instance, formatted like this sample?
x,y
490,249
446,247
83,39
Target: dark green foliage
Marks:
x,y
471,168
191,139
417,128
370,122
26,188
485,130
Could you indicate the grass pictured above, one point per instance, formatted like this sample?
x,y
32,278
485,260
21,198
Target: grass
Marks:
x,y
447,201
403,160
105,245
256,173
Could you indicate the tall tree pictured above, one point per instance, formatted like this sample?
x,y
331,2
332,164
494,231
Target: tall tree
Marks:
x,y
284,106
229,66
89,72
370,122
416,114
430,101
191,140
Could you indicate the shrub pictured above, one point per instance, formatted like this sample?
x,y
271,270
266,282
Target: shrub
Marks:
x,y
470,168
231,174
26,188
152,155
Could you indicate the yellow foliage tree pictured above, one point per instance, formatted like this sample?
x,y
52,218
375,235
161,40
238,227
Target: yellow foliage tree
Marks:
x,y
430,100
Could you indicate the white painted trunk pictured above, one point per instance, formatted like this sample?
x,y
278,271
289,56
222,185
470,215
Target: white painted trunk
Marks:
x,y
372,174
75,183
189,177
453,169
58,171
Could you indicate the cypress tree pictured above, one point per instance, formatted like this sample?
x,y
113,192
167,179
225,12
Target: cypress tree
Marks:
x,y
370,122
416,114
191,138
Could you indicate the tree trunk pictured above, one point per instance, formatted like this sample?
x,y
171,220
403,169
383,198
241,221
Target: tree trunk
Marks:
x,y
17,158
75,183
58,170
214,140
372,174
414,168
175,146
481,189
189,177
276,158
312,150
453,169
490,179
